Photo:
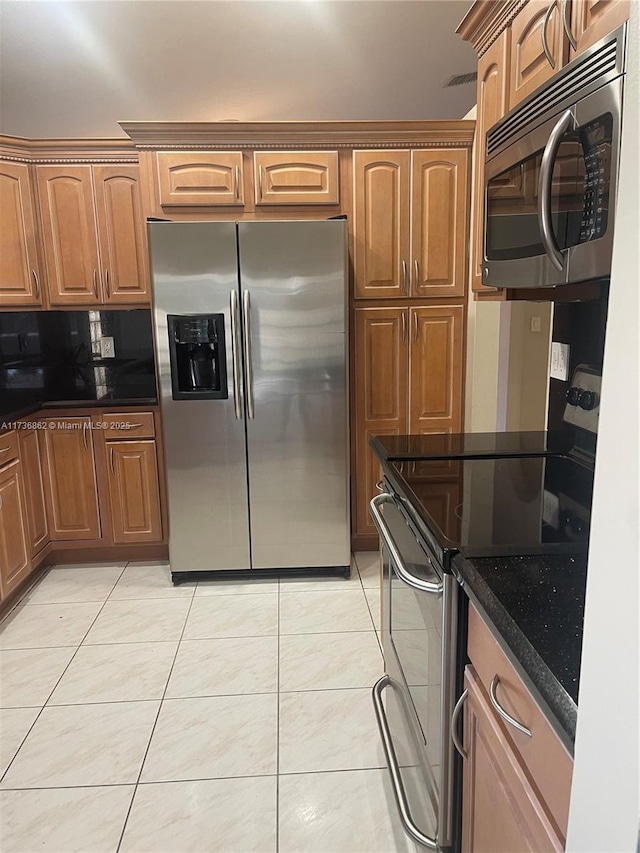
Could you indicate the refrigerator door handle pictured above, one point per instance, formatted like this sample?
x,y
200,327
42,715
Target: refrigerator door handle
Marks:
x,y
235,334
248,355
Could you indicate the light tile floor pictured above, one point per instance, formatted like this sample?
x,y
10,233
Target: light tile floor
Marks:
x,y
137,716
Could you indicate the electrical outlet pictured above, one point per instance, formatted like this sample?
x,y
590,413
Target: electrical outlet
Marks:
x,y
107,347
559,361
536,324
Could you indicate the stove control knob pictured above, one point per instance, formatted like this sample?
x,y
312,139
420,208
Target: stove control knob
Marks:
x,y
588,400
573,396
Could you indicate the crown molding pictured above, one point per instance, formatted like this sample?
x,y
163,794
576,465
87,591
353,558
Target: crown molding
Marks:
x,y
40,151
486,19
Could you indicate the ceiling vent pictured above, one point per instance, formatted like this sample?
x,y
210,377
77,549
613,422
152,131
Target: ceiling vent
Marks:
x,y
461,79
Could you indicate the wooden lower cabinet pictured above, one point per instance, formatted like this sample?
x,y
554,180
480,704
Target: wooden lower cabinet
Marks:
x,y
71,487
35,505
501,812
15,563
133,491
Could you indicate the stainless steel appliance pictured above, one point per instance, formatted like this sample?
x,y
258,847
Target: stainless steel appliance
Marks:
x,y
250,334
477,495
551,174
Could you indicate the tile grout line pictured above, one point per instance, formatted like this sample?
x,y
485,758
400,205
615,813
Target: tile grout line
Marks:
x,y
155,723
277,815
44,705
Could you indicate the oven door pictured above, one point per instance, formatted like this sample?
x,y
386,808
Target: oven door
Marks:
x,y
414,699
550,198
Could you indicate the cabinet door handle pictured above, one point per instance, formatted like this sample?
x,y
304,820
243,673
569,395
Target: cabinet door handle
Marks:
x,y
37,283
95,283
416,273
545,24
567,26
238,182
455,737
405,283
259,183
134,426
4,449
106,283
380,486
507,717
415,326
1,501
84,436
403,319
111,460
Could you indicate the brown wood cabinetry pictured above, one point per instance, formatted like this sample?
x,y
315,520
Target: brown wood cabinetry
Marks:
x,y
15,563
296,177
93,229
203,178
19,268
408,378
516,786
71,488
536,26
591,20
401,255
32,468
133,491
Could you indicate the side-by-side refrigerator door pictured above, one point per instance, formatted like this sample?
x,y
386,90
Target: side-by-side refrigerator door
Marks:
x,y
293,279
198,348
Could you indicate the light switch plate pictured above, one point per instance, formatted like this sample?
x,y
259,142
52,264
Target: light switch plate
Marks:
x,y
559,361
107,347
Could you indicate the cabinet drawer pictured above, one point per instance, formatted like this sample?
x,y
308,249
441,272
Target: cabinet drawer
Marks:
x,y
296,177
8,447
546,759
128,425
207,178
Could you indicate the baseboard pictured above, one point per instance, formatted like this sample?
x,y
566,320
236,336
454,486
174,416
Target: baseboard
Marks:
x,y
60,553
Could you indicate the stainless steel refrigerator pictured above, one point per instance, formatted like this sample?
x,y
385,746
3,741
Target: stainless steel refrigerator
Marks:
x,y
252,355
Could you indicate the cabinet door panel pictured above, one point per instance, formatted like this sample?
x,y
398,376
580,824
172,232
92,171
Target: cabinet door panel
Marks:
x,y
500,810
529,65
381,223
205,178
123,247
592,20
15,564
19,274
71,489
297,177
493,103
32,469
439,222
380,395
70,234
436,368
134,491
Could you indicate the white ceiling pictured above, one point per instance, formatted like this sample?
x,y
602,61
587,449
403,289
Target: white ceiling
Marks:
x,y
76,68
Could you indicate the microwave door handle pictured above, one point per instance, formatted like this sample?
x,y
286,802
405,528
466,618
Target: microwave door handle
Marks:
x,y
544,190
399,564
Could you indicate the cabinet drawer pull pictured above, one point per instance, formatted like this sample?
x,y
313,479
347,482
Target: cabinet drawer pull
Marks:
x,y
111,460
455,737
405,286
4,449
416,272
106,283
567,26
507,717
403,319
415,326
1,501
545,24
380,486
37,283
134,426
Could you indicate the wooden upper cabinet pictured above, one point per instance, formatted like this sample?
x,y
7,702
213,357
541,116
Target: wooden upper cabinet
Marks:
x,y
436,368
70,234
493,103
381,349
501,810
591,20
440,200
70,480
19,272
15,563
538,20
381,238
32,469
134,491
296,177
122,238
203,178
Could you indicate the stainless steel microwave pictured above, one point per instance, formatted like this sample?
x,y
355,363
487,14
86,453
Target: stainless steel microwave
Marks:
x,y
551,173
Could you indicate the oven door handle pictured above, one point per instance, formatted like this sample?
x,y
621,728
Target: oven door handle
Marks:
x,y
397,786
400,566
549,241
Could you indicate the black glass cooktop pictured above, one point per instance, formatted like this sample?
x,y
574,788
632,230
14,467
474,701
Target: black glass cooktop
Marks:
x,y
497,507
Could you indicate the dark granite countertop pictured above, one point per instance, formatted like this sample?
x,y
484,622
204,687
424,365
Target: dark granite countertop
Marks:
x,y
536,605
10,415
471,445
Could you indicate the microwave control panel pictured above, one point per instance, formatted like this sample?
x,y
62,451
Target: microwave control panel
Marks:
x,y
596,143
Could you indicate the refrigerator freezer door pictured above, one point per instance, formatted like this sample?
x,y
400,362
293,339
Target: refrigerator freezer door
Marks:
x,y
195,271
294,288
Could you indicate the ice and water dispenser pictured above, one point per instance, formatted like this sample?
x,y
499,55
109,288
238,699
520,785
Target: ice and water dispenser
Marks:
x,y
198,356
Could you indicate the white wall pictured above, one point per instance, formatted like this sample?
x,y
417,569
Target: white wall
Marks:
x,y
604,814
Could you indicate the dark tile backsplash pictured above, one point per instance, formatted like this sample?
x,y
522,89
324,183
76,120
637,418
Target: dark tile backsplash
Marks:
x,y
48,356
